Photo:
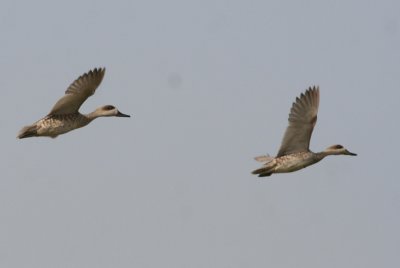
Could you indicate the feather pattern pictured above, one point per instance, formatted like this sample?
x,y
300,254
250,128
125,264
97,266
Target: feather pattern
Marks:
x,y
78,92
294,153
65,115
302,119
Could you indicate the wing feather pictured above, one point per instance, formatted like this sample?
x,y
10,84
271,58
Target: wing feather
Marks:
x,y
302,119
78,92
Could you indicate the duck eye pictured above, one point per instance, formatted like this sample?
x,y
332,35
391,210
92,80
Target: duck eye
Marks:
x,y
338,147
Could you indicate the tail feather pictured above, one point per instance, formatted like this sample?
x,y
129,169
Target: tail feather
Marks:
x,y
264,171
264,175
28,131
260,171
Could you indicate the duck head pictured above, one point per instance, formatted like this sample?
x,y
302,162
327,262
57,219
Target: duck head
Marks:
x,y
338,149
109,110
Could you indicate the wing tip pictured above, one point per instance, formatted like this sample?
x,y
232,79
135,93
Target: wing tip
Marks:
x,y
96,71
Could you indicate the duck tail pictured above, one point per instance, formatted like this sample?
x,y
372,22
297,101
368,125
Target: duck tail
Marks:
x,y
267,169
28,131
264,171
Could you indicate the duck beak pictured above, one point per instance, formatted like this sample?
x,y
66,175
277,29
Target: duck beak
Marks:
x,y
119,114
349,153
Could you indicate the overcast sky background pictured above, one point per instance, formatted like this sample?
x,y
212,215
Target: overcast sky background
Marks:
x,y
209,85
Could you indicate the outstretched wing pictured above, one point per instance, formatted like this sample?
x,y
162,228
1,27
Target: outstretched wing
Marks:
x,y
302,119
76,94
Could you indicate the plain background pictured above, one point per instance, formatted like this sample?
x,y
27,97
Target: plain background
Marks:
x,y
209,85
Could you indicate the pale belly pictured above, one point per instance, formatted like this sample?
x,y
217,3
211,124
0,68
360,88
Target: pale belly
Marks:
x,y
292,163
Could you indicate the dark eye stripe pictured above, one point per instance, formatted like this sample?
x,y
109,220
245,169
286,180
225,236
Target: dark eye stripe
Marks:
x,y
108,107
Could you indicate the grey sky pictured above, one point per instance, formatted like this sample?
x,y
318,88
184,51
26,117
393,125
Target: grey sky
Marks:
x,y
209,85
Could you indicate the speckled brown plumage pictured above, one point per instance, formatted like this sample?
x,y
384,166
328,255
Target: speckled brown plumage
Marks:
x,y
294,153
65,116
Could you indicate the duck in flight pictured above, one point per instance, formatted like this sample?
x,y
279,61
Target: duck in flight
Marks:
x,y
294,153
65,115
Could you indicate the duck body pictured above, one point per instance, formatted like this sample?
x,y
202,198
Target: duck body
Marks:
x,y
288,163
294,153
65,115
54,125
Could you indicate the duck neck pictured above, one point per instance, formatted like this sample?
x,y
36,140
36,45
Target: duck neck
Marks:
x,y
91,116
322,155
